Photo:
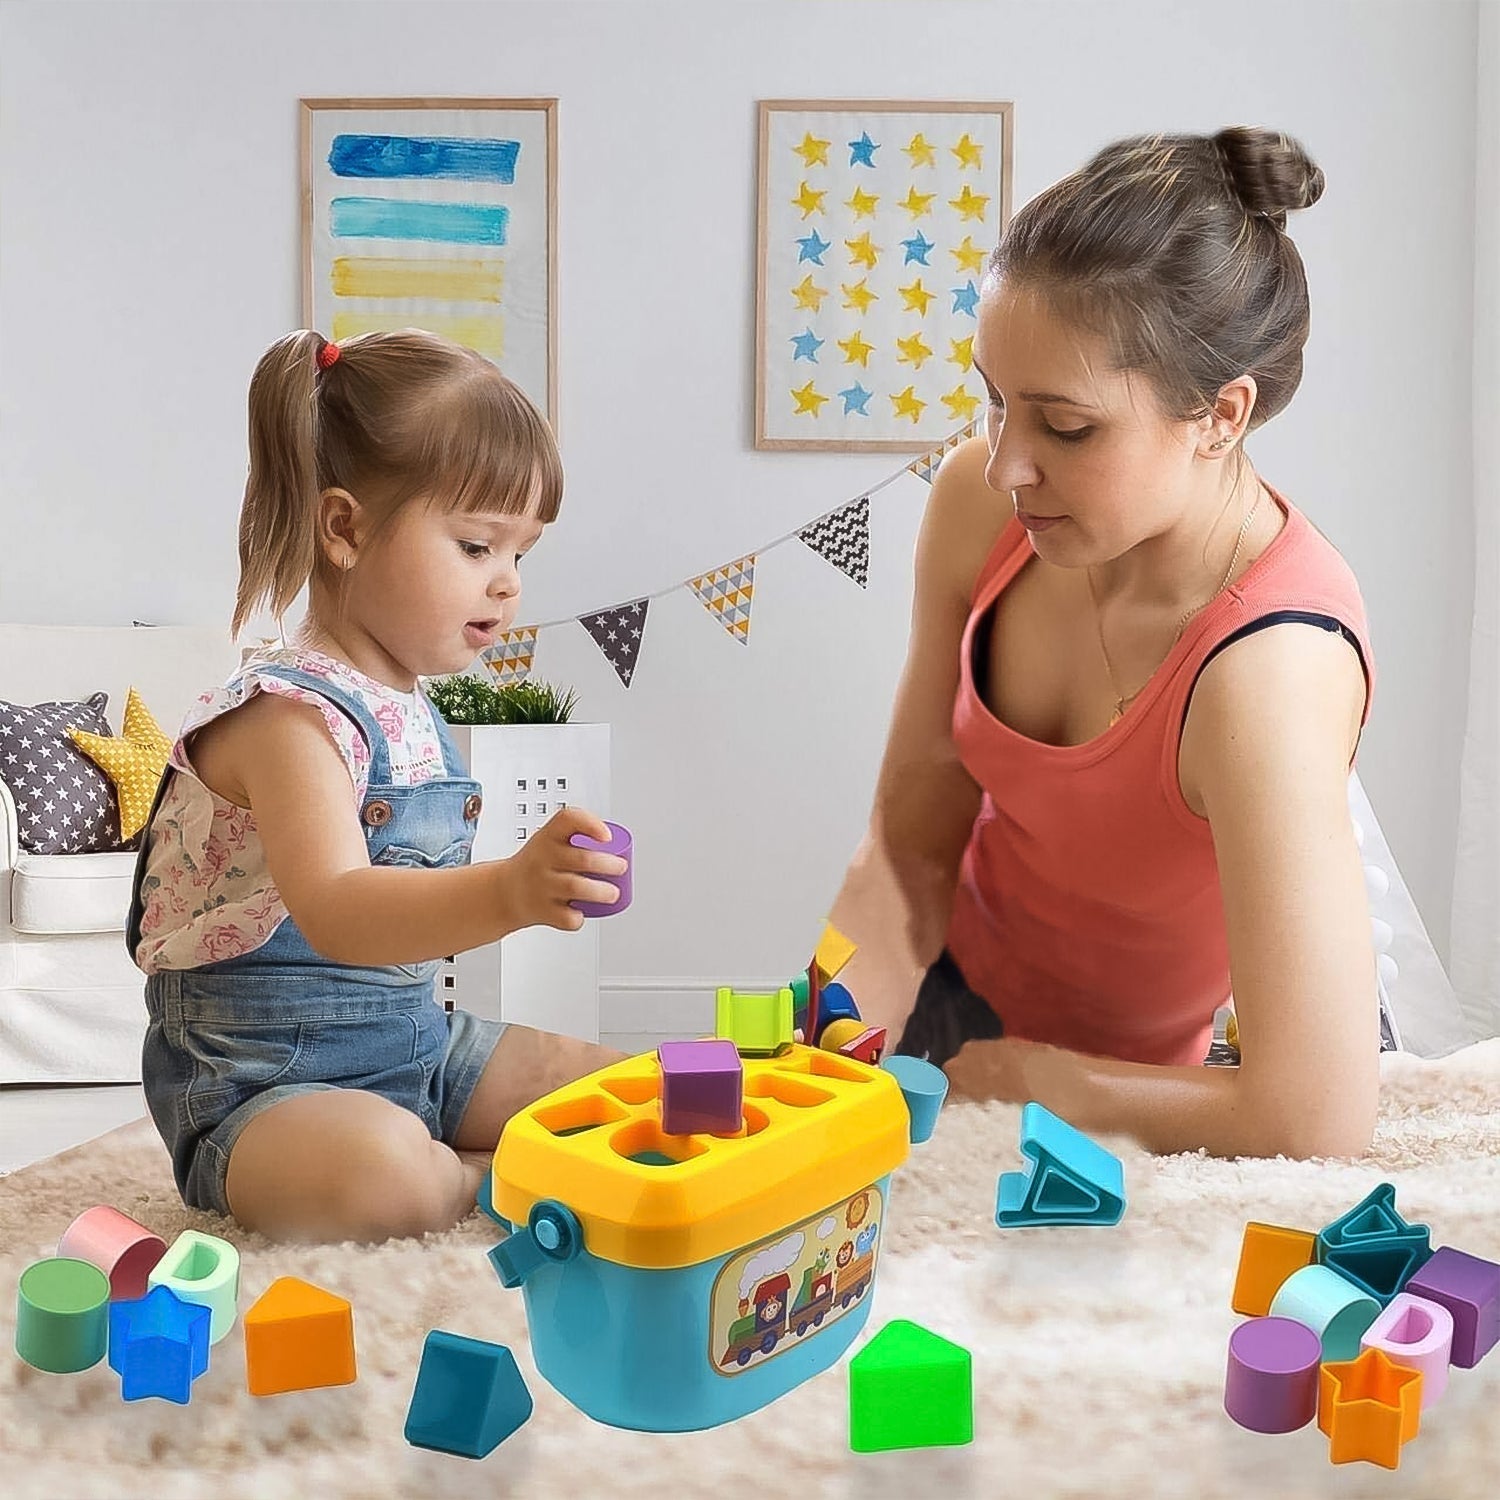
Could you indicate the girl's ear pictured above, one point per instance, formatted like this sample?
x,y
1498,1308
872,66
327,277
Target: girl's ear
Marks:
x,y
341,524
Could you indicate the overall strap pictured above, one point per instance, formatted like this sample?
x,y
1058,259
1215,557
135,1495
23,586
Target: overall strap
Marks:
x,y
350,705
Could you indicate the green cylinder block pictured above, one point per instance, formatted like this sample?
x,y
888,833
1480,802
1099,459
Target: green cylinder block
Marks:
x,y
62,1315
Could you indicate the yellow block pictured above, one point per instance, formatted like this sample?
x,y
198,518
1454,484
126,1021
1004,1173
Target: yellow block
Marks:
x,y
1268,1255
833,952
297,1337
817,1127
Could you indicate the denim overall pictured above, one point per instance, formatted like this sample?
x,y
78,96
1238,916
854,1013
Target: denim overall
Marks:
x,y
230,1039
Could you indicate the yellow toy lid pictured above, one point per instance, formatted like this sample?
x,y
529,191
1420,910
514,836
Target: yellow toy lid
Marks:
x,y
817,1126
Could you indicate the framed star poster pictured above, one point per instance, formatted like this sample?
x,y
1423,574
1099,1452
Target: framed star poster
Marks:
x,y
876,222
438,214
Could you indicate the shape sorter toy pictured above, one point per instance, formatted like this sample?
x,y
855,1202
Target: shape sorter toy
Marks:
x,y
675,1282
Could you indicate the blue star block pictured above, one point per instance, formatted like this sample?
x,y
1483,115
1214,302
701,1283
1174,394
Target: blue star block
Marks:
x,y
469,1397
966,298
917,249
808,344
862,152
158,1345
855,399
811,247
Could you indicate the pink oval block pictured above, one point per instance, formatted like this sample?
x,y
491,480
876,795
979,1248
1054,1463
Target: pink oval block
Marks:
x,y
1272,1381
1416,1333
125,1251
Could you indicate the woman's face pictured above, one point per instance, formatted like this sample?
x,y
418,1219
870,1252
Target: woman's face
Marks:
x,y
1094,466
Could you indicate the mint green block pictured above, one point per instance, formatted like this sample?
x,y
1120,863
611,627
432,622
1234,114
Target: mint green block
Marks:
x,y
759,1025
910,1388
62,1315
204,1269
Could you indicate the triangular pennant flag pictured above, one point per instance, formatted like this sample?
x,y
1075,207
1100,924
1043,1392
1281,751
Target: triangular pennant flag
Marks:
x,y
844,539
728,592
926,466
510,657
617,633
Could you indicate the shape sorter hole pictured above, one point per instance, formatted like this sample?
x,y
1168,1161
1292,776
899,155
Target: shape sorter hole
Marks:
x,y
754,1121
829,1065
786,1089
201,1262
648,1145
1412,1327
638,1090
574,1116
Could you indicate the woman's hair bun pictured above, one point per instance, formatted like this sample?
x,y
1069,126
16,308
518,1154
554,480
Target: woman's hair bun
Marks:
x,y
1268,171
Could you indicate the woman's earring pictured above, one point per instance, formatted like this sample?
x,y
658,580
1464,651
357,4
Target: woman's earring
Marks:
x,y
346,563
1222,443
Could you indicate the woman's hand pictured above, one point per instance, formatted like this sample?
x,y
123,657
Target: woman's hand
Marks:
x,y
549,871
1006,1068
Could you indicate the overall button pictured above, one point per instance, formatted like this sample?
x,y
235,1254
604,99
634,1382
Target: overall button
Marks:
x,y
472,803
377,813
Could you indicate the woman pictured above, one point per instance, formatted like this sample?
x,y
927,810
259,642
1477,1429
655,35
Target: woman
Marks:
x,y
1114,790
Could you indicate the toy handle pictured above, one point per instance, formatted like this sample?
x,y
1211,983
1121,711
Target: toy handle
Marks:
x,y
552,1233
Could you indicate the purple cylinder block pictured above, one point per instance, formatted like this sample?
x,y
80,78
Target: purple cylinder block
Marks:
x,y
1272,1381
619,843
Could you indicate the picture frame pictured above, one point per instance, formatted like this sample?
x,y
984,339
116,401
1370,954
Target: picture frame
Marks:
x,y
437,213
835,238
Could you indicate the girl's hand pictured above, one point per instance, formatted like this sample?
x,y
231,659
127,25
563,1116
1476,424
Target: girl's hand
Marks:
x,y
548,872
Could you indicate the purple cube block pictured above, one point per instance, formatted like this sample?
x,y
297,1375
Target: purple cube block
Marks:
x,y
1469,1287
702,1088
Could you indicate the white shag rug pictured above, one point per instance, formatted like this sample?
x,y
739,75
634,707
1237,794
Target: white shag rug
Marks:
x,y
1099,1354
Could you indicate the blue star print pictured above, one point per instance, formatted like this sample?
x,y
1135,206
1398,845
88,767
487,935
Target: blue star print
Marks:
x,y
862,152
855,399
966,298
812,249
917,249
808,344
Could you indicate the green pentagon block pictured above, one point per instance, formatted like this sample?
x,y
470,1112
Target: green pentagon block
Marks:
x,y
910,1388
759,1025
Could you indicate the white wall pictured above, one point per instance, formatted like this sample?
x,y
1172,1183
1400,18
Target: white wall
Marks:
x,y
148,253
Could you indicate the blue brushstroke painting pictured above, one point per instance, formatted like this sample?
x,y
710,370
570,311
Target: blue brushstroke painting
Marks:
x,y
399,219
449,157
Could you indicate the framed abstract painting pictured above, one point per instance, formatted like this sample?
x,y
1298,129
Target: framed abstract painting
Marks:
x,y
876,220
438,214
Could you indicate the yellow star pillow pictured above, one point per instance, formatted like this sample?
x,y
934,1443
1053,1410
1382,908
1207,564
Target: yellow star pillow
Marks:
x,y
135,762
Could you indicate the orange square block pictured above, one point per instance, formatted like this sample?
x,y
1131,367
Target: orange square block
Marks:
x,y
1368,1408
1268,1255
298,1337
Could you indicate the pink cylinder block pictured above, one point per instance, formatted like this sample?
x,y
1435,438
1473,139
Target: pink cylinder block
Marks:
x,y
1414,1332
1271,1384
125,1251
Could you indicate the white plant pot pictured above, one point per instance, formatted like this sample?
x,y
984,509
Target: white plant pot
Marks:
x,y
538,976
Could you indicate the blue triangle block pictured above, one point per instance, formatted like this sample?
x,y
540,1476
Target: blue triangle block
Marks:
x,y
1373,1218
469,1397
1069,1179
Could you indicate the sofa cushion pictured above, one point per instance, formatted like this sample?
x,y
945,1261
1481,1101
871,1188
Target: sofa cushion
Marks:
x,y
52,893
65,804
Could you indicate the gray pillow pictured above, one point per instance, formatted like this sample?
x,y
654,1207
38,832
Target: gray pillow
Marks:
x,y
64,803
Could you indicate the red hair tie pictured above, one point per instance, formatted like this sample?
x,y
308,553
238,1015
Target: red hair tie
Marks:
x,y
328,355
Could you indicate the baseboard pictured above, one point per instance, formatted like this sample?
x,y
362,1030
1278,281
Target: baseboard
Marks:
x,y
661,1008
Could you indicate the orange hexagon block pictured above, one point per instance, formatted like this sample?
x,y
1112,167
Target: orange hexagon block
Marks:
x,y
1268,1255
1369,1408
297,1336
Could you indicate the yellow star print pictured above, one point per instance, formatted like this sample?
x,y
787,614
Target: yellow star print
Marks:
x,y
856,350
860,296
814,153
920,152
808,295
961,405
969,205
913,351
970,257
917,297
967,151
907,405
917,204
808,400
862,252
862,203
809,200
963,353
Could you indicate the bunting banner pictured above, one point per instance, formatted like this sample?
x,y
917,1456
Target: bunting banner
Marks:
x,y
841,537
510,657
727,594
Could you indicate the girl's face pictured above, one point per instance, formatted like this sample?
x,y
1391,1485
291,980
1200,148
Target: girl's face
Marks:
x,y
1094,466
440,585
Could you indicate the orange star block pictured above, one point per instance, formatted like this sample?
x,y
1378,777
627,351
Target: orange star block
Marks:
x,y
1368,1408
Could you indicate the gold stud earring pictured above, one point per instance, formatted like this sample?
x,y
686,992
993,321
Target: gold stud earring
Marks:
x,y
1222,443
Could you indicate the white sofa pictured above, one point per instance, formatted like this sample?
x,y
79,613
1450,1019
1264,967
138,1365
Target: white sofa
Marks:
x,y
70,998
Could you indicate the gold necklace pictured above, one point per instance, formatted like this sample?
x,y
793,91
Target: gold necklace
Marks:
x,y
1122,700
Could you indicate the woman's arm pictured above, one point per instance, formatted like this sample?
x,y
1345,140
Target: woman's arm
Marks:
x,y
1265,757
274,755
898,892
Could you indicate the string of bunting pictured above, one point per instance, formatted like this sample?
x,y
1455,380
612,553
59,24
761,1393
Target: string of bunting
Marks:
x,y
840,536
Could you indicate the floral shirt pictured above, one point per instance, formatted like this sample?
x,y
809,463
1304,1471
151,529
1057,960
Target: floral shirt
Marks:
x,y
206,892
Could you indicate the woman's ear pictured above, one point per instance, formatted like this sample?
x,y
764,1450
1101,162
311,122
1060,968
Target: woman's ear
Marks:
x,y
1230,418
341,524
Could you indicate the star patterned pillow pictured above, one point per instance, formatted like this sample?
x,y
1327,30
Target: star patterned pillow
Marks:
x,y
64,803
